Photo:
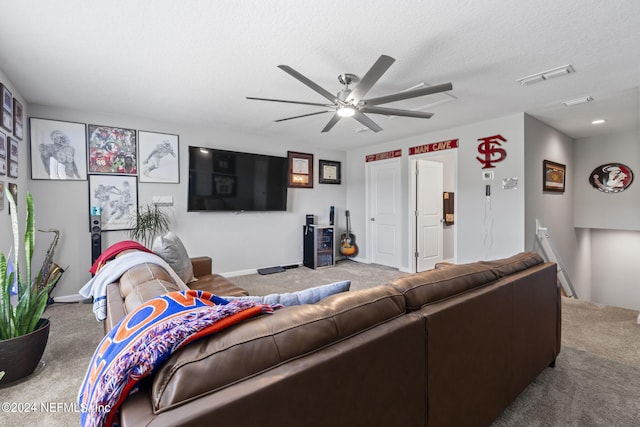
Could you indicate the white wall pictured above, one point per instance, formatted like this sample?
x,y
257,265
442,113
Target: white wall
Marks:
x,y
609,222
475,237
593,208
238,243
615,268
553,210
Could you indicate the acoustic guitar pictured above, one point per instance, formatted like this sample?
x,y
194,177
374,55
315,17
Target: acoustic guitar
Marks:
x,y
348,245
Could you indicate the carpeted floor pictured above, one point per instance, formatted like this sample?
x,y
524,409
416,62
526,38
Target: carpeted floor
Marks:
x,y
596,381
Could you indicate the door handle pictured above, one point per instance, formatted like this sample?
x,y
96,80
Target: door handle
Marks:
x,y
372,219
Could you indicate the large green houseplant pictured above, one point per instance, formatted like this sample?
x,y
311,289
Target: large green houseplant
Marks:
x,y
21,314
150,221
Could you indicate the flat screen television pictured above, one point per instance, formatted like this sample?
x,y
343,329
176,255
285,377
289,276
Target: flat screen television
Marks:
x,y
221,180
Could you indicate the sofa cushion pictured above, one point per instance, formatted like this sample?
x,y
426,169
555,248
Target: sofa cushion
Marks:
x,y
435,285
170,248
514,264
143,282
262,343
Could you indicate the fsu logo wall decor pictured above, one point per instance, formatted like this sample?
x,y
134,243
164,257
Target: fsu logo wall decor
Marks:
x,y
491,152
611,177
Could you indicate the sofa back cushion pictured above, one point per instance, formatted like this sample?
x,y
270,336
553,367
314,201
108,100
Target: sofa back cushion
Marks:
x,y
439,284
262,343
515,263
144,282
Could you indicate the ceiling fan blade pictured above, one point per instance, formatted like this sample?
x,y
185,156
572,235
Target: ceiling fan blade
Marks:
x,y
367,121
373,75
335,119
331,97
409,94
303,115
396,112
290,102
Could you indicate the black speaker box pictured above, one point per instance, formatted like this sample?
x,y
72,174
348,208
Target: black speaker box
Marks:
x,y
96,237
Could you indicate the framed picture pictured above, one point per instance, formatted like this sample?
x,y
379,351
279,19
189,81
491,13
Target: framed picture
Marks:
x,y
329,172
553,176
58,149
12,149
112,150
3,153
117,196
300,169
159,157
7,108
1,195
18,119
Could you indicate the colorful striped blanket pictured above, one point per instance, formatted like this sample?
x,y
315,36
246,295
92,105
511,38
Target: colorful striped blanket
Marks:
x,y
145,338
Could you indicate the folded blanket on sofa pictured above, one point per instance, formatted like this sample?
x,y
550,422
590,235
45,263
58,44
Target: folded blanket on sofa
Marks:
x,y
96,288
145,338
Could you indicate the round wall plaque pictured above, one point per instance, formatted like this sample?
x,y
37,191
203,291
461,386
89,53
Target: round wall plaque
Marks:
x,y
611,177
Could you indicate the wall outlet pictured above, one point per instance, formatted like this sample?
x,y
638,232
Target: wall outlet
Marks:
x,y
162,200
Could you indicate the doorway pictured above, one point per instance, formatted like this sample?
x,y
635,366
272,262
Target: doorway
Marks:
x,y
383,212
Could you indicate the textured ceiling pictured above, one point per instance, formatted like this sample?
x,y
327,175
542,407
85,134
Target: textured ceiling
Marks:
x,y
194,62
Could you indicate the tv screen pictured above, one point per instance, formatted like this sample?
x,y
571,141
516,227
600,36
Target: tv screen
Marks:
x,y
221,180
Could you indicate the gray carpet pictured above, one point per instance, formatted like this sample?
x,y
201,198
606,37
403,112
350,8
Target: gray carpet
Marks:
x,y
596,381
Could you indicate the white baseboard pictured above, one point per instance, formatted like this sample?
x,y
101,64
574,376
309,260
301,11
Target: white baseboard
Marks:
x,y
69,298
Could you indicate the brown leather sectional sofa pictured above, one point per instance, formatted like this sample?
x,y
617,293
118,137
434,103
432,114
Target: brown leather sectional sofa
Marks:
x,y
451,346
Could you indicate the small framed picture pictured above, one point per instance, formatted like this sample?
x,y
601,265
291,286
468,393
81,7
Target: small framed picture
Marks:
x,y
3,153
12,149
117,197
1,195
18,119
159,157
58,149
300,170
553,176
329,171
112,150
7,108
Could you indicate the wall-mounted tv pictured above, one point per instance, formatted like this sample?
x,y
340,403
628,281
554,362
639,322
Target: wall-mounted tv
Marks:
x,y
221,180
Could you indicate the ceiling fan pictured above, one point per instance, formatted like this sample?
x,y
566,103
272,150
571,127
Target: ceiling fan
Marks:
x,y
351,102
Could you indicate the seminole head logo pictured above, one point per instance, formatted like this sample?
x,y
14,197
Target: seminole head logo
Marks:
x,y
611,177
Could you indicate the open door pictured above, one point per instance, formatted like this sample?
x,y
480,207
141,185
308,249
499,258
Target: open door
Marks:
x,y
429,219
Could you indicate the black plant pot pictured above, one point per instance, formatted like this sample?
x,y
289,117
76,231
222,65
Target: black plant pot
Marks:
x,y
20,356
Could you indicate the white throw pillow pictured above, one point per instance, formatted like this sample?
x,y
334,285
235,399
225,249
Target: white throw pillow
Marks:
x,y
170,248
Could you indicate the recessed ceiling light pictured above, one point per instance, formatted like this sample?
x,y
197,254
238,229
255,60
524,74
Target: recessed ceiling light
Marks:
x,y
598,122
546,75
577,101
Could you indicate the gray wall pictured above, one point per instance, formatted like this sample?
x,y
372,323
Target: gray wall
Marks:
x,y
238,242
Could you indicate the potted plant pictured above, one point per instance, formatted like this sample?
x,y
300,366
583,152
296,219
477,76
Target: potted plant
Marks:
x,y
23,331
150,221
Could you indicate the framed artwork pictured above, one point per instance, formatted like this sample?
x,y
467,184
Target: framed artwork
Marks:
x,y
300,169
329,172
1,195
12,149
18,119
117,196
159,157
7,108
58,149
553,176
3,154
112,150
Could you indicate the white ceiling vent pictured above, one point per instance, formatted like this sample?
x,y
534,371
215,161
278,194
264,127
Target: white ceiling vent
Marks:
x,y
577,101
546,75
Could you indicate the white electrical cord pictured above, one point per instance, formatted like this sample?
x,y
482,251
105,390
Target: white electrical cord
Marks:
x,y
488,226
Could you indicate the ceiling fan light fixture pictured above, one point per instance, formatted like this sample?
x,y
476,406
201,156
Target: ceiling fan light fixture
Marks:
x,y
346,111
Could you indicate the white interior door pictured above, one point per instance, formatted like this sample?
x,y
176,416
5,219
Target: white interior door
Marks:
x,y
429,188
384,212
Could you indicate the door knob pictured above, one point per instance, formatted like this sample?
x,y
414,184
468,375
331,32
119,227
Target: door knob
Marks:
x,y
373,219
